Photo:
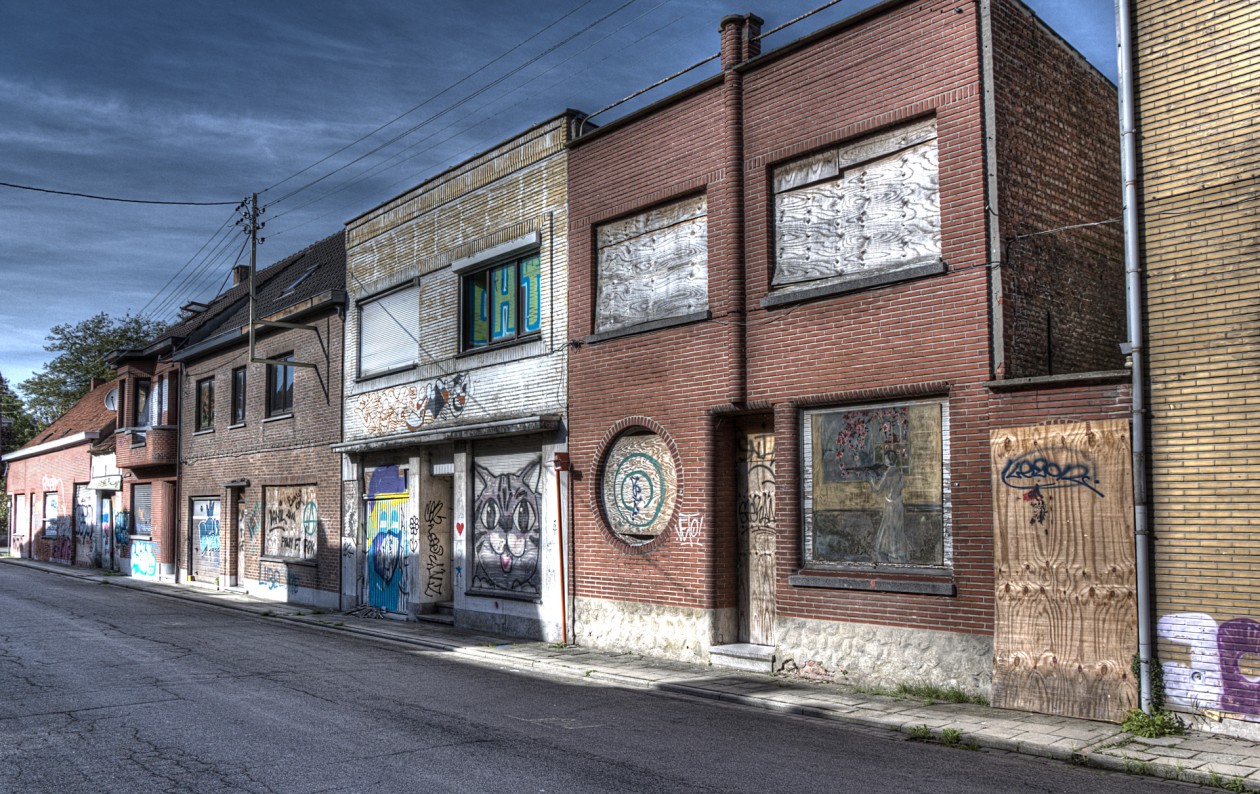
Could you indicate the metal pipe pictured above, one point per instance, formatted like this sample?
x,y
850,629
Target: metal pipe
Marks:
x,y
1134,310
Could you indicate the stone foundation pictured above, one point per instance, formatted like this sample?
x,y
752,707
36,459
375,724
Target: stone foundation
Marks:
x,y
670,632
881,657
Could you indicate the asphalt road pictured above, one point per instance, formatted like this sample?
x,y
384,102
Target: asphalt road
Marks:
x,y
105,689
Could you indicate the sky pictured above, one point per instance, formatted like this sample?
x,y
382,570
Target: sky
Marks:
x,y
326,108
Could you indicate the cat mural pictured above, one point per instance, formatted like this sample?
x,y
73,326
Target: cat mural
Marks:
x,y
507,529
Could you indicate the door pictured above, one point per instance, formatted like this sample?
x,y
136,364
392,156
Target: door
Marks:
x,y
205,539
757,536
387,553
85,528
19,543
105,523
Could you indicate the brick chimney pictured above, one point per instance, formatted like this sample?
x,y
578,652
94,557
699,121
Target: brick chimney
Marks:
x,y
240,274
740,39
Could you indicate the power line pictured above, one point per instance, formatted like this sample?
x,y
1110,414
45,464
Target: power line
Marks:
x,y
123,200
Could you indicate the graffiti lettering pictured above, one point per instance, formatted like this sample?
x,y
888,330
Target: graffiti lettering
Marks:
x,y
435,560
270,579
291,521
406,408
690,526
1038,470
1214,676
143,559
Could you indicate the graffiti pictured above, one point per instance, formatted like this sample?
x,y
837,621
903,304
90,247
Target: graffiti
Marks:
x,y
143,559
291,521
435,559
292,583
690,526
50,483
1214,676
1034,497
1039,469
270,579
387,561
249,521
507,530
208,535
639,486
122,529
405,408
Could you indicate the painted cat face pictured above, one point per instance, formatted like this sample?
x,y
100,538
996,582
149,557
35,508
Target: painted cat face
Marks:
x,y
508,529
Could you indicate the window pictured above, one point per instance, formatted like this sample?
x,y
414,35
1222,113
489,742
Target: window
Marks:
x,y
280,387
653,266
142,509
502,303
143,391
867,211
290,522
639,486
52,519
389,332
238,396
205,404
875,482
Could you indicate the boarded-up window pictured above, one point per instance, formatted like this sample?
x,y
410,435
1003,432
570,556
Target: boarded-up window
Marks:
x,y
291,522
653,266
868,207
507,504
389,331
876,485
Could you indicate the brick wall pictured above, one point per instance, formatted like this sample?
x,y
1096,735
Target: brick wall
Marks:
x,y
1058,159
57,471
286,451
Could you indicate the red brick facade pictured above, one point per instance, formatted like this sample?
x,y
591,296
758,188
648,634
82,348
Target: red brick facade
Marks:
x,y
756,360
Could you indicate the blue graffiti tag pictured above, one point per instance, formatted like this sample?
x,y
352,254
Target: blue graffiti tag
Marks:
x,y
1039,469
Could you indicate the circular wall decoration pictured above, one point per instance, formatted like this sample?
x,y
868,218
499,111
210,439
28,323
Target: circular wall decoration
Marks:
x,y
640,486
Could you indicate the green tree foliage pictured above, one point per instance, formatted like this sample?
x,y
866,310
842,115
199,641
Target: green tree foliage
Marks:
x,y
16,428
81,349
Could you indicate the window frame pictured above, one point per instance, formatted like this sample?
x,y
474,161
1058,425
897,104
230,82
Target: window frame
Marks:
x,y
521,302
240,381
52,524
203,413
142,386
413,331
308,495
811,564
278,409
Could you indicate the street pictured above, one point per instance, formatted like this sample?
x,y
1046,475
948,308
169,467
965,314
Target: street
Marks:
x,y
108,689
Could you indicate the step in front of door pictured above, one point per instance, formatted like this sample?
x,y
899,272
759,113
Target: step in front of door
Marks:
x,y
743,656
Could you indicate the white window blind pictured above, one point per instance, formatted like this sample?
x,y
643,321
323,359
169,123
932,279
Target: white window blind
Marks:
x,y
389,331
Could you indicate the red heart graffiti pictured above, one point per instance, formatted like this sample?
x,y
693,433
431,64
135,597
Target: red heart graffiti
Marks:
x,y
459,527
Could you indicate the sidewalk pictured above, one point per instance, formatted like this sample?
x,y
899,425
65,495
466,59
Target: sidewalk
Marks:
x,y
1201,758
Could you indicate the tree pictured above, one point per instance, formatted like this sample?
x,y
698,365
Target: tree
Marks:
x,y
81,349
16,428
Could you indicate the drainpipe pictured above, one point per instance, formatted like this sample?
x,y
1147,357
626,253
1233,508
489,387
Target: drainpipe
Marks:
x,y
1134,347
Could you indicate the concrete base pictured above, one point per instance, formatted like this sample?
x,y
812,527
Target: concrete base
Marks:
x,y
743,656
669,632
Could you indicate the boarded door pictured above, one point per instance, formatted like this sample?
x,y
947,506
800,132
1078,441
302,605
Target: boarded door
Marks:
x,y
20,543
85,527
206,537
1065,572
755,478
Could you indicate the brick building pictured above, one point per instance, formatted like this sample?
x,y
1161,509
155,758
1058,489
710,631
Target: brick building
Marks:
x,y
63,490
836,355
259,491
455,392
1197,85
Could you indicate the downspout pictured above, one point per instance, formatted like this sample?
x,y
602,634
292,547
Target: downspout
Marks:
x,y
1134,347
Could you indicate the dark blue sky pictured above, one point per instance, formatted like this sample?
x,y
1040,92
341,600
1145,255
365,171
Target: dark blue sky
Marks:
x,y
211,101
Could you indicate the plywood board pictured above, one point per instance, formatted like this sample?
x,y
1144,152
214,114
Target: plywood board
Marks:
x,y
1065,570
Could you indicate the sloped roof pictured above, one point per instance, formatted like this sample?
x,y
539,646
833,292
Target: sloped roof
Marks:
x,y
88,415
314,270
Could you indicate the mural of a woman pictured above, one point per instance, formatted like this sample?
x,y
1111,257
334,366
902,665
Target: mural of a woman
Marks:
x,y
891,544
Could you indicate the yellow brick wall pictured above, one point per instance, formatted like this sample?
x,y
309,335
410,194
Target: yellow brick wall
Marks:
x,y
1198,90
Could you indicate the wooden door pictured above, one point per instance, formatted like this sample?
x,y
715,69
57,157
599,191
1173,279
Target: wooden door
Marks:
x,y
1066,599
757,536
